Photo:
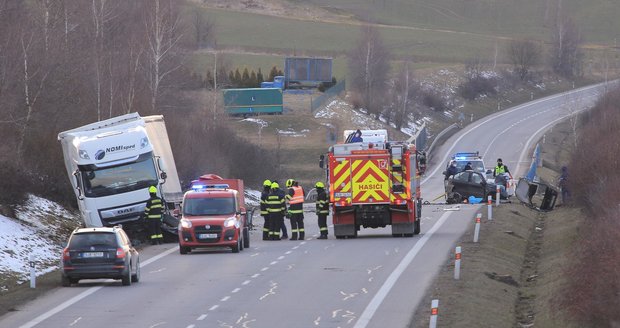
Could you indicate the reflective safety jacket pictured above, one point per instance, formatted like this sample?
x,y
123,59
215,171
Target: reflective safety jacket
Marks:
x,y
500,170
295,197
275,202
322,202
263,201
154,208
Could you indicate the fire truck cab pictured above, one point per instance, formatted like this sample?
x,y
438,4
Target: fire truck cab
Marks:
x,y
373,184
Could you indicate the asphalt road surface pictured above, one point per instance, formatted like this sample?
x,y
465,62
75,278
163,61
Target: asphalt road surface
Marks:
x,y
372,281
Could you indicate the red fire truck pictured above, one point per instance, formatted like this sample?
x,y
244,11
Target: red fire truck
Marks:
x,y
373,184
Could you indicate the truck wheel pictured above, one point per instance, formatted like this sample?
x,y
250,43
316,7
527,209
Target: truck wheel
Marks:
x,y
340,237
246,238
416,227
241,241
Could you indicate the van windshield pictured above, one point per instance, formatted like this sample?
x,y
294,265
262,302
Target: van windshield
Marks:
x,y
99,182
209,206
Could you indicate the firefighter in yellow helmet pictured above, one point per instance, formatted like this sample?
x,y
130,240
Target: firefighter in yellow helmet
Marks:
x,y
322,208
263,207
295,198
153,214
276,208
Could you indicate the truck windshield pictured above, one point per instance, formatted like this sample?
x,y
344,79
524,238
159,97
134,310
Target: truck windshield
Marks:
x,y
208,206
99,182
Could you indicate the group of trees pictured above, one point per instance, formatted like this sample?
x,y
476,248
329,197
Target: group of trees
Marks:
x,y
68,63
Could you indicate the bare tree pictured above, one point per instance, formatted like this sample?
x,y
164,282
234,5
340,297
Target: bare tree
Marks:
x,y
161,28
524,54
369,68
566,54
404,92
203,29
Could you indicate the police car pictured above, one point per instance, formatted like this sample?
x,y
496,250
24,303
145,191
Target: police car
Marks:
x,y
477,164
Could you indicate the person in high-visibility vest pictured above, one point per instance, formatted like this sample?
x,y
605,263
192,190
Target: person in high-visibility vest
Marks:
x,y
500,168
276,208
263,208
153,213
322,208
295,197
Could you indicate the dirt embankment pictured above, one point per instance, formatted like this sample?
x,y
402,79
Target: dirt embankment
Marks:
x,y
511,278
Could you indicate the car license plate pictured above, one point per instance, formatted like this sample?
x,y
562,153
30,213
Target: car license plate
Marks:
x,y
92,254
207,236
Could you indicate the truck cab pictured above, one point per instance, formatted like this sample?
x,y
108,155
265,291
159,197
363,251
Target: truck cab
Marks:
x,y
213,215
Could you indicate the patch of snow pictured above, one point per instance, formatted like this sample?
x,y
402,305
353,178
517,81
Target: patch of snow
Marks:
x,y
292,133
258,121
252,197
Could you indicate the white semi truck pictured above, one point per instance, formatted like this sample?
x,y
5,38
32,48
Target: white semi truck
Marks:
x,y
111,165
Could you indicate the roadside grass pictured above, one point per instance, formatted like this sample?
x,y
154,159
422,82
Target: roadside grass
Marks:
x,y
513,276
524,18
269,34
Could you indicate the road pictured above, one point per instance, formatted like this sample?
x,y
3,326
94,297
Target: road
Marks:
x,y
372,281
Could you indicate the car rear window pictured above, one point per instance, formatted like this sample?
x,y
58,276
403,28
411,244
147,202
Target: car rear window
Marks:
x,y
81,240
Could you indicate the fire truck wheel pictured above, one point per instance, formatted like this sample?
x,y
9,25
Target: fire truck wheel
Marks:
x,y
340,237
416,227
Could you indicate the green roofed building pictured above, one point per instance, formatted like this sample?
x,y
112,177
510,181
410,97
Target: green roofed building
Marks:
x,y
253,101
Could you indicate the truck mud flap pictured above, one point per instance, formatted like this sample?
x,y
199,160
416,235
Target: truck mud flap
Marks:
x,y
345,230
403,229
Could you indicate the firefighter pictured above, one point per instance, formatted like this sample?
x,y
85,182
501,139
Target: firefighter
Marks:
x,y
295,198
276,208
284,231
263,208
500,168
322,208
154,216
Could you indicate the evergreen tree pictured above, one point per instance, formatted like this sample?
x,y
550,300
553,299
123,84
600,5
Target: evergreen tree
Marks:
x,y
253,80
245,78
237,80
259,77
273,73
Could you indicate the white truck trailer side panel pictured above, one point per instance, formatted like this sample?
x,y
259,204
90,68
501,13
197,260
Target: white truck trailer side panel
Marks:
x,y
158,135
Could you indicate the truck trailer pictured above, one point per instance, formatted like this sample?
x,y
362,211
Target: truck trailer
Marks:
x,y
373,184
112,163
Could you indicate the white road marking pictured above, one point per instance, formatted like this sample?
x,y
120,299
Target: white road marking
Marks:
x,y
191,326
335,313
158,324
75,321
273,263
213,307
158,270
317,321
255,275
254,254
202,317
372,307
347,296
235,290
296,247
288,252
364,290
350,315
302,243
264,269
245,282
225,298
281,257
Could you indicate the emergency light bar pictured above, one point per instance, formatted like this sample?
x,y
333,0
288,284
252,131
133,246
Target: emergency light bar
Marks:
x,y
203,187
464,156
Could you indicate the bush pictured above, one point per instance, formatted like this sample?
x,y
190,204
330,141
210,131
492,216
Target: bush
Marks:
x,y
477,86
434,100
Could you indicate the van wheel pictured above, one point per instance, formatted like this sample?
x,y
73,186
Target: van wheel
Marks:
x,y
241,242
237,248
184,250
246,237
